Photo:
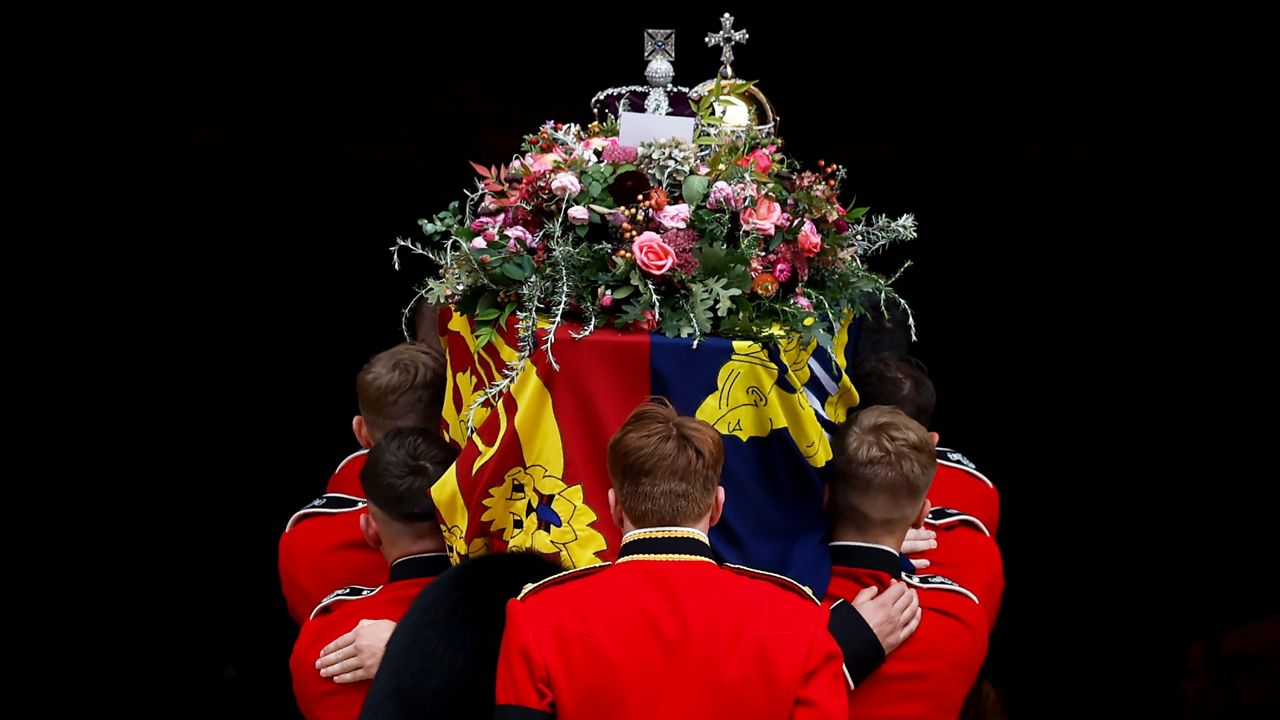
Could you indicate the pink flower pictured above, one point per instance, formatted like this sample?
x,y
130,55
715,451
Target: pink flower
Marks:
x,y
673,216
758,158
606,301
682,242
543,162
566,185
810,241
579,215
652,254
520,234
619,154
489,235
721,194
647,323
782,271
803,302
479,243
481,224
762,218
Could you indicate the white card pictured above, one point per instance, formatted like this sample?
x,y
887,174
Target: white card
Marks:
x,y
635,128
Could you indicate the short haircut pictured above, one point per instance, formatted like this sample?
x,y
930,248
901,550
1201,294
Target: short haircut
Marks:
x,y
883,467
665,466
897,380
401,387
399,472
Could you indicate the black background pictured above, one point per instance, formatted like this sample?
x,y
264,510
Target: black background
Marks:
x,y
1091,186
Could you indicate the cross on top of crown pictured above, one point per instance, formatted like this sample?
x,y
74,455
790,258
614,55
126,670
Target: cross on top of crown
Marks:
x,y
660,44
726,39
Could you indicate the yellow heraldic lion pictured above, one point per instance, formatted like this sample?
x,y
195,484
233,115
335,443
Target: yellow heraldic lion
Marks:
x,y
539,512
749,403
533,508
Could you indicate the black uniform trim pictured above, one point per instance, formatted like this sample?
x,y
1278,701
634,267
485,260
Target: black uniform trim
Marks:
x,y
947,456
948,516
519,712
419,566
867,557
350,592
666,545
939,582
559,578
862,650
326,505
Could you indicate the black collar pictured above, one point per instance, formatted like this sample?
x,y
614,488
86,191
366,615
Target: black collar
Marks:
x,y
867,557
419,566
673,544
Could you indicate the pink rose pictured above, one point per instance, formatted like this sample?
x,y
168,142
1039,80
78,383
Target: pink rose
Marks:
x,y
481,224
652,254
579,215
763,218
803,302
721,194
518,233
761,160
489,235
479,243
810,241
606,301
566,185
673,216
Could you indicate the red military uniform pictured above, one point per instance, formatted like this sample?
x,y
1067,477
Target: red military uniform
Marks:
x,y
958,484
321,698
322,548
346,479
929,675
968,555
666,632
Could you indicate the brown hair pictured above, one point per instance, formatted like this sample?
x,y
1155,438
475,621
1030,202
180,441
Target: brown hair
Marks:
x,y
665,466
897,380
400,470
884,463
401,387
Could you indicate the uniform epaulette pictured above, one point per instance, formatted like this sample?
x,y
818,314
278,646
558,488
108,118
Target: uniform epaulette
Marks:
x,y
940,583
350,592
559,578
948,516
947,456
780,580
327,505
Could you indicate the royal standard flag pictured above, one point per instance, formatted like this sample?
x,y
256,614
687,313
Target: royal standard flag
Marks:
x,y
531,474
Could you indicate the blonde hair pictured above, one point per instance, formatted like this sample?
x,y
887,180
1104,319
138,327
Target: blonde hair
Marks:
x,y
884,465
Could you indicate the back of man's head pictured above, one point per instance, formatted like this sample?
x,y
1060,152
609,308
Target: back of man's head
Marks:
x,y
665,467
897,380
401,387
882,470
398,475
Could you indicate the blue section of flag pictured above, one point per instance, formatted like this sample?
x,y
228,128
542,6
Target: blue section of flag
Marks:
x,y
773,517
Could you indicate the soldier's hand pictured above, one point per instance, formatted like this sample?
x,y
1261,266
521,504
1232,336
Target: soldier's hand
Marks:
x,y
893,616
356,655
919,540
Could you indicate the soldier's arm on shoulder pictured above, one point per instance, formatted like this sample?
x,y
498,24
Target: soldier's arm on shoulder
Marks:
x,y
822,692
861,649
523,685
